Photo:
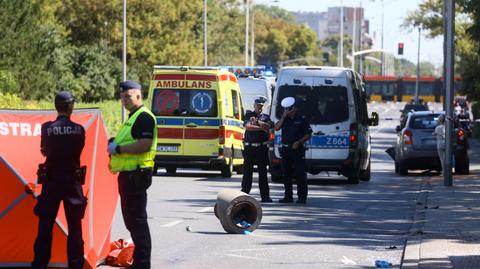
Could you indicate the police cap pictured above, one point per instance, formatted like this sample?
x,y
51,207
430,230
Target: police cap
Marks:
x,y
260,100
288,102
129,84
64,97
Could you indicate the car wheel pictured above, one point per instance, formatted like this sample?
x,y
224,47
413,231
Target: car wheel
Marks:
x,y
171,170
238,169
155,169
366,174
355,177
462,165
227,170
402,169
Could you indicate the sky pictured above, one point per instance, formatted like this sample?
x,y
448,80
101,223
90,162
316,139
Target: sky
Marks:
x,y
394,13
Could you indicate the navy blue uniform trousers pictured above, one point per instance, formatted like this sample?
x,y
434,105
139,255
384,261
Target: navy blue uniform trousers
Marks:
x,y
133,197
256,155
53,192
293,164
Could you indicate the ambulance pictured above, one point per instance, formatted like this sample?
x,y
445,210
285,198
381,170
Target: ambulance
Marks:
x,y
199,118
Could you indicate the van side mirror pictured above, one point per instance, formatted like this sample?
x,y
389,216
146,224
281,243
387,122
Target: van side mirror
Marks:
x,y
398,128
373,120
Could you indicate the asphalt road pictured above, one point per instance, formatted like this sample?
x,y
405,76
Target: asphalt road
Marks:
x,y
342,225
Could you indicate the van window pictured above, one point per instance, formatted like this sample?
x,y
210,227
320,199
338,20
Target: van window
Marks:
x,y
235,102
187,103
321,105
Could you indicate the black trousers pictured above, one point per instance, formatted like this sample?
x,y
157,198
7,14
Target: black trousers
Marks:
x,y
69,191
133,198
293,164
256,155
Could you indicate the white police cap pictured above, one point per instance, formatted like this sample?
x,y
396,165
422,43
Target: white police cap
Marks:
x,y
288,102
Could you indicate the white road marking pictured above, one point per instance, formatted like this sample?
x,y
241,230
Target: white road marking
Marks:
x,y
246,257
205,209
250,249
173,223
346,260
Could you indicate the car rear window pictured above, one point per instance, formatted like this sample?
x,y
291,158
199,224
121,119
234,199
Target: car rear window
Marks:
x,y
321,105
424,122
415,108
187,103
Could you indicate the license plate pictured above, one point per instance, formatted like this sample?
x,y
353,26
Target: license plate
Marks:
x,y
167,148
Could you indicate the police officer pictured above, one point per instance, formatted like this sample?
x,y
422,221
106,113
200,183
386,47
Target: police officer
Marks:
x,y
296,131
257,125
62,142
132,154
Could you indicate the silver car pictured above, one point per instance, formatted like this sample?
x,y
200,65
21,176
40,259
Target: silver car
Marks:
x,y
416,146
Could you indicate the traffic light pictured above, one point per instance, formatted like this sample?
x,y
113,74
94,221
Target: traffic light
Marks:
x,y
400,48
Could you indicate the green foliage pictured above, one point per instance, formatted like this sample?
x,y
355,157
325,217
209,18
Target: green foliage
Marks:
x,y
77,45
8,82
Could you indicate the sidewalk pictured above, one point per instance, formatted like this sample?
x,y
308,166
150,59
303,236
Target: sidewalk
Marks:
x,y
446,228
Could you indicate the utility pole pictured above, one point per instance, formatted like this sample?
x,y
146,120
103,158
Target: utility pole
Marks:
x,y
418,67
124,52
253,35
383,54
354,35
205,52
449,65
247,16
341,34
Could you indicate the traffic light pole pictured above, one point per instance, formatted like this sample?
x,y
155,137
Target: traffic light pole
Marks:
x,y
449,65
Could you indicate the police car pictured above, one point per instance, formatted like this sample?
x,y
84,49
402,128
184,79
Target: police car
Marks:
x,y
335,103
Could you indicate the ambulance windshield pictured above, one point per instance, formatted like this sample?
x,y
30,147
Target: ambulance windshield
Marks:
x,y
186,103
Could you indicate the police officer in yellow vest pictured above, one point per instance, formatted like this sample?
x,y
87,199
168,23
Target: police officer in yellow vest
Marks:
x,y
132,154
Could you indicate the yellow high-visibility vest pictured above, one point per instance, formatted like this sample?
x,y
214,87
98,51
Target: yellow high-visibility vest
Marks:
x,y
130,162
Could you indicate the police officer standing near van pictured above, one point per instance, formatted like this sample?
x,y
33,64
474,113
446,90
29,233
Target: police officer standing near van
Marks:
x,y
62,142
296,131
132,154
257,125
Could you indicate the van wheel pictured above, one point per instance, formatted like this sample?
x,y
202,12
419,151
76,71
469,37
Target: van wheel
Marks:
x,y
354,178
155,169
238,169
402,169
227,170
365,175
277,179
171,170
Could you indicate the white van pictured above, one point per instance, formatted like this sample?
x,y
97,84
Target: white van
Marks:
x,y
335,103
251,88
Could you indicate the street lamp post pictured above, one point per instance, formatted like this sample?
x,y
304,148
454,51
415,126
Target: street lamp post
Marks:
x,y
247,14
341,34
418,67
205,52
124,51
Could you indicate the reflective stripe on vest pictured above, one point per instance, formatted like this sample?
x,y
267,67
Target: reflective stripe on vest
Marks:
x,y
131,162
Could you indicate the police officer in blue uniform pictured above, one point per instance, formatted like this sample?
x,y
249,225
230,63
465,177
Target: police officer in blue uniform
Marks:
x,y
296,131
257,125
62,142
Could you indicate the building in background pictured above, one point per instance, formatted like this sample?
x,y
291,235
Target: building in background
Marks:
x,y
327,24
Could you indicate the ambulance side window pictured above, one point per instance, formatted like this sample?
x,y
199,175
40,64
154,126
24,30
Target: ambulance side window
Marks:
x,y
235,104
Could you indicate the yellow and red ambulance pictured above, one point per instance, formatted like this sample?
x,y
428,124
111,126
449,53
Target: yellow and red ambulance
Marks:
x,y
199,118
